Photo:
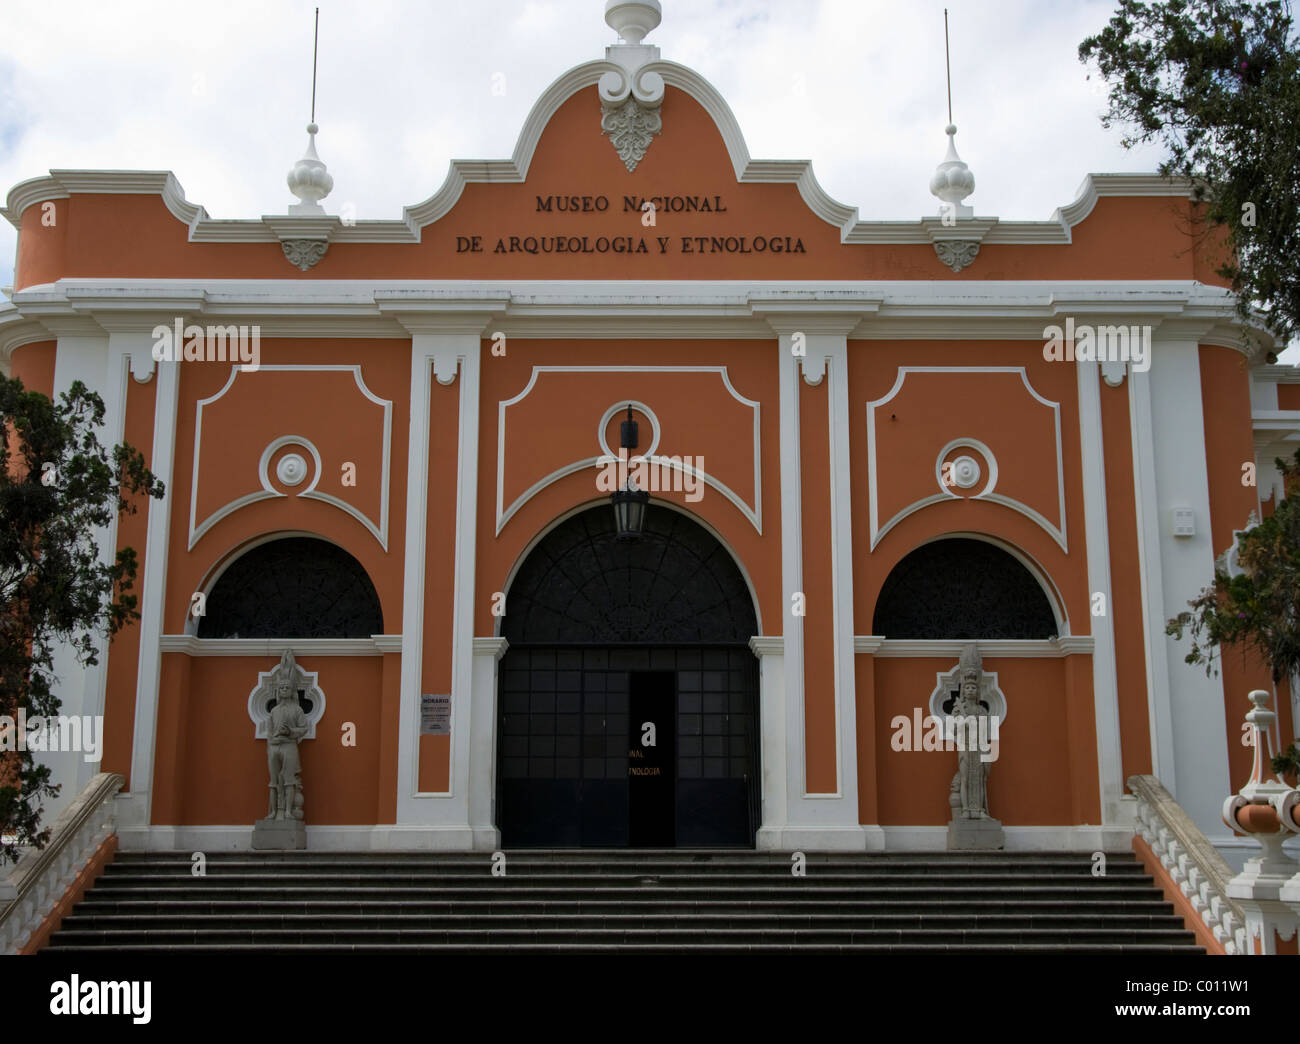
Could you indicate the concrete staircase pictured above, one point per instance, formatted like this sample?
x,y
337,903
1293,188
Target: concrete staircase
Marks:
x,y
625,901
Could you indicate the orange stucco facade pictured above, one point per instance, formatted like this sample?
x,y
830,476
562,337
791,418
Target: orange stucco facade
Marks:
x,y
451,386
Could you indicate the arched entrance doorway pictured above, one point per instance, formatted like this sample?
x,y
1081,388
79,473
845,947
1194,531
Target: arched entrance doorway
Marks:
x,y
628,696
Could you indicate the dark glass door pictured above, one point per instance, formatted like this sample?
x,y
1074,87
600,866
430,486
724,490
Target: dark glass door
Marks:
x,y
576,765
652,759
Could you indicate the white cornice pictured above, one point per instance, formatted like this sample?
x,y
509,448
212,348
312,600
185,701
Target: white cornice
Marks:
x,y
591,309
990,648
375,645
494,647
767,645
1276,374
1097,185
17,330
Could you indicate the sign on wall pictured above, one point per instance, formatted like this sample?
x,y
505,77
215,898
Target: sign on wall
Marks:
x,y
435,714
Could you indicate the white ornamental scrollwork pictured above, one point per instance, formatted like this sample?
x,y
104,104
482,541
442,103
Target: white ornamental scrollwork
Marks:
x,y
630,103
957,253
304,252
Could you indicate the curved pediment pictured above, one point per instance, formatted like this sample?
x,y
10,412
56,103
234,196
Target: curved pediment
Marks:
x,y
676,78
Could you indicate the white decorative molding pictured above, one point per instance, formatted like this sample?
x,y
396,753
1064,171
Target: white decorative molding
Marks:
x,y
754,512
813,368
274,446
966,471
990,648
264,692
600,309
656,429
377,529
1113,371
767,645
190,645
946,683
878,531
304,253
445,365
162,462
1097,544
495,647
292,469
631,129
957,253
17,330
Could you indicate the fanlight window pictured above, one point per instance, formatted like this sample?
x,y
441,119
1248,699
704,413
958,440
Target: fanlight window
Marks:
x,y
675,585
298,587
961,588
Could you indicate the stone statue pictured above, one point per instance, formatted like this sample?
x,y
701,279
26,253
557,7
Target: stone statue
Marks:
x,y
286,724
970,782
972,827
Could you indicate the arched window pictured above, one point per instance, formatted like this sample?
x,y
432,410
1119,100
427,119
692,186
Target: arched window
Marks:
x,y
959,588
298,587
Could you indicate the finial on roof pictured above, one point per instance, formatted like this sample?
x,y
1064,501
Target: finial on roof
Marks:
x,y
633,19
952,180
309,180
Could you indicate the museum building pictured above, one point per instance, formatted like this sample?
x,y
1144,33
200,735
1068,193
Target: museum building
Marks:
x,y
633,491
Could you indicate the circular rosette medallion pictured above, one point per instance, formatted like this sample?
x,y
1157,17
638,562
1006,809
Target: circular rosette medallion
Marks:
x,y
290,465
966,468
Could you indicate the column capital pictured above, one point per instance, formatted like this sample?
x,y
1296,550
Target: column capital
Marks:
x,y
825,318
494,647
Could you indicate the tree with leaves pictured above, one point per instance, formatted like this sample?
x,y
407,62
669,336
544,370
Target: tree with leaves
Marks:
x,y
58,487
1218,84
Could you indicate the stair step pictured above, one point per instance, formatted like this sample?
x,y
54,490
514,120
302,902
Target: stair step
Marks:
x,y
694,948
694,919
630,901
505,935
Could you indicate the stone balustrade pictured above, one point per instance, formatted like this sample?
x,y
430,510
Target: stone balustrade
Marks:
x,y
1192,862
41,879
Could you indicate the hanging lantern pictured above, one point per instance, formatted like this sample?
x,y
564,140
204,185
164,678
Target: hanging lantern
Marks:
x,y
629,503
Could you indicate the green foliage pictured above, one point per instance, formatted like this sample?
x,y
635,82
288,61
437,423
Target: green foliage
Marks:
x,y
1218,84
1259,609
58,486
1287,762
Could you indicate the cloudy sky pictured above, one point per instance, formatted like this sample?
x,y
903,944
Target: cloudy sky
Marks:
x,y
220,93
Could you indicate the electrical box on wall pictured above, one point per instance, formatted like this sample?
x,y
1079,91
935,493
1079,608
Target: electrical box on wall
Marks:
x,y
1184,522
